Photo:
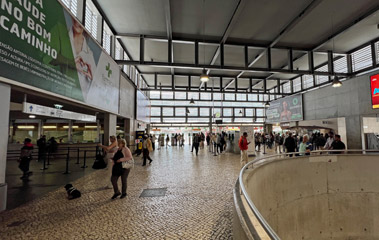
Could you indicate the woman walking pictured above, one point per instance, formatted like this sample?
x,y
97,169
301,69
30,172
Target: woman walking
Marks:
x,y
123,154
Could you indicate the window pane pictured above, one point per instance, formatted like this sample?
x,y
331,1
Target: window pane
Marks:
x,y
180,95
167,95
204,112
217,96
168,111
361,58
180,111
253,97
249,112
241,97
193,112
230,96
227,112
206,96
155,111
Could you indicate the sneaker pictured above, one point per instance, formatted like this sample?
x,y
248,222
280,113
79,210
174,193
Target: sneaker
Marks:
x,y
123,195
116,195
150,161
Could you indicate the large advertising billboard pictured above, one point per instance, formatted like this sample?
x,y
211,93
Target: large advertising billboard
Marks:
x,y
285,109
42,45
143,107
375,90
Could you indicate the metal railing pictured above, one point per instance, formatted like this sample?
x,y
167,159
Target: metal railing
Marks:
x,y
278,157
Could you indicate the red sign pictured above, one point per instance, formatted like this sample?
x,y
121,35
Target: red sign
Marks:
x,y
375,91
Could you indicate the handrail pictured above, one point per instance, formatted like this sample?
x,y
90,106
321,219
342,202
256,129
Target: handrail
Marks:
x,y
271,233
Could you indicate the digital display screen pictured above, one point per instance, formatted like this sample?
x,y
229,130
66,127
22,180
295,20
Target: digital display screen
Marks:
x,y
375,90
286,109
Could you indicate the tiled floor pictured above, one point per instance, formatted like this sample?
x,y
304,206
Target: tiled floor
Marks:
x,y
198,203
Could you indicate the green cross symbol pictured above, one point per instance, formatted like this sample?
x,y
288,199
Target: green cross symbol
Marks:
x,y
108,68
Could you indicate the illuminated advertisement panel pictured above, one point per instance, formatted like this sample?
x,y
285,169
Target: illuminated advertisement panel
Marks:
x,y
375,90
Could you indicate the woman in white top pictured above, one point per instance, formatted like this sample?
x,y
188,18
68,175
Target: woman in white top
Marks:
x,y
109,153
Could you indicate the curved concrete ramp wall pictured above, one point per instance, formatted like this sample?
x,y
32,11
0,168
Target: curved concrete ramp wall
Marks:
x,y
321,197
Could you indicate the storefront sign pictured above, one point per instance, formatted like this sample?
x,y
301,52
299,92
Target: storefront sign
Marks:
x,y
42,45
285,109
375,90
34,109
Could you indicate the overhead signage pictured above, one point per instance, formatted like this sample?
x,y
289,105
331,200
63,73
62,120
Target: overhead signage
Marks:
x,y
286,109
375,90
44,46
30,108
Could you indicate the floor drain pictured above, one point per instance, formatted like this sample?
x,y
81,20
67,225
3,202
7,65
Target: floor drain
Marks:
x,y
154,192
16,223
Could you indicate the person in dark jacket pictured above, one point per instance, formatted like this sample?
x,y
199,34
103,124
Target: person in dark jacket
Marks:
x,y
52,146
41,143
25,157
290,144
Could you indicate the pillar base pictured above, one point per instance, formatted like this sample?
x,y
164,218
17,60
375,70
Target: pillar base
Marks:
x,y
3,196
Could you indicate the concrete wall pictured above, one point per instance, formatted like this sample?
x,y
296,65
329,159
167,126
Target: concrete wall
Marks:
x,y
311,198
351,101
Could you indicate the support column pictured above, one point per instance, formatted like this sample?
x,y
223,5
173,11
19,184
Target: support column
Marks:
x,y
110,122
210,125
130,133
69,133
5,96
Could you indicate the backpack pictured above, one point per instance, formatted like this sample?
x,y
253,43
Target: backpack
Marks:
x,y
99,162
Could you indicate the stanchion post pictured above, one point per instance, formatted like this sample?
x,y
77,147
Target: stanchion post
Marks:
x,y
67,159
44,163
48,158
77,157
85,158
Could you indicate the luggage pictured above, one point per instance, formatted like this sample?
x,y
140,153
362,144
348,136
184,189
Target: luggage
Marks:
x,y
99,162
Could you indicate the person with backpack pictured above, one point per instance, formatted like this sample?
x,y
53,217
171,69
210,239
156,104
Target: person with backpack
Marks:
x,y
25,158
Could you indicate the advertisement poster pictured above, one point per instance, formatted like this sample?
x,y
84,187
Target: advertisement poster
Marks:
x,y
375,90
285,109
42,45
143,107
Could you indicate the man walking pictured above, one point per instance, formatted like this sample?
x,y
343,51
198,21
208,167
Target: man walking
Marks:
x,y
338,144
243,144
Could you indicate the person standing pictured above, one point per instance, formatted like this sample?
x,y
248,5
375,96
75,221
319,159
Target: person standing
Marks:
x,y
290,144
25,158
41,143
305,147
329,141
243,145
167,141
123,154
338,145
153,139
146,149
195,143
52,146
208,139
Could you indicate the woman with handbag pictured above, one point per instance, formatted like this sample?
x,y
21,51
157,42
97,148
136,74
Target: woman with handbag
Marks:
x,y
122,162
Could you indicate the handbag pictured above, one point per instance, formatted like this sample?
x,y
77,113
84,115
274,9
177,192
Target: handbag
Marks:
x,y
128,164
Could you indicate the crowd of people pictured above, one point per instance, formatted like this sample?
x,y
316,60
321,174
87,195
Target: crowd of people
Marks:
x,y
288,142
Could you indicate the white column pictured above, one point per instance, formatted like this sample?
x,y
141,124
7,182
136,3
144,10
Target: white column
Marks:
x,y
5,96
110,123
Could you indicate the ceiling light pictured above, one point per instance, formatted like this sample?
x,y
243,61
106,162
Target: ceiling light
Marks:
x,y
25,127
32,116
49,127
58,106
65,127
90,127
240,111
336,82
188,111
192,101
267,104
204,76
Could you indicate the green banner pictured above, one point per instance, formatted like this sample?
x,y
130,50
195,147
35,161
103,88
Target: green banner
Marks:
x,y
42,45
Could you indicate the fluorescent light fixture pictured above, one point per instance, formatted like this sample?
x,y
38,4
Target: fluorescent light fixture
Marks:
x,y
267,104
66,127
204,76
32,116
25,127
58,106
117,126
90,127
336,82
192,101
49,127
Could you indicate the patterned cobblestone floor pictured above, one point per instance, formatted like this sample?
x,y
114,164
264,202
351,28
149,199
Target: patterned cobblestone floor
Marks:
x,y
198,203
